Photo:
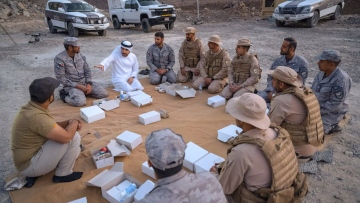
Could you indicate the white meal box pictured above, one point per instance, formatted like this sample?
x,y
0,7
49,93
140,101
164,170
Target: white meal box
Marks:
x,y
224,134
115,149
192,154
216,101
206,162
149,117
129,139
92,113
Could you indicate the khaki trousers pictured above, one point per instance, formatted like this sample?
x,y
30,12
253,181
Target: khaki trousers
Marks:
x,y
53,155
227,94
215,86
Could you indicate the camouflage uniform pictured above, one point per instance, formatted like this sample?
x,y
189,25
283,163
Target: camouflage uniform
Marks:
x,y
332,92
72,71
297,63
166,150
161,58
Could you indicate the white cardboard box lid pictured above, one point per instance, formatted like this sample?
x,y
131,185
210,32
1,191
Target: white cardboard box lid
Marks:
x,y
144,189
149,114
147,167
193,152
107,175
96,102
91,111
110,105
118,149
81,200
186,93
214,99
128,136
230,131
134,93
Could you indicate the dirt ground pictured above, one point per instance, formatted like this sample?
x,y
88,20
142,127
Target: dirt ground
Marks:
x,y
24,62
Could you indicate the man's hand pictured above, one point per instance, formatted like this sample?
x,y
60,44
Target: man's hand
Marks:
x,y
101,67
161,71
214,169
197,73
270,94
208,81
182,70
234,87
130,80
88,89
79,123
81,87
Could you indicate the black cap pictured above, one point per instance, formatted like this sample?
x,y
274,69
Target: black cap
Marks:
x,y
42,89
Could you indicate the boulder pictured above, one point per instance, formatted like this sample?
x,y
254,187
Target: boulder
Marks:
x,y
20,6
5,12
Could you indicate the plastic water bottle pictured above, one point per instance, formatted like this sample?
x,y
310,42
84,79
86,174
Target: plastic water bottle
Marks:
x,y
200,88
128,192
122,96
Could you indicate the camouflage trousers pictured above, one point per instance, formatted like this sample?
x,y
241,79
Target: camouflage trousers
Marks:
x,y
156,78
77,97
215,86
189,75
227,94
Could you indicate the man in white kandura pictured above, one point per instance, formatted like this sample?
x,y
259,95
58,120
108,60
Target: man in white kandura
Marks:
x,y
125,68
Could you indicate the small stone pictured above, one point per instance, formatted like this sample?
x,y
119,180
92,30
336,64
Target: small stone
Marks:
x,y
333,163
26,13
339,178
253,8
20,6
349,153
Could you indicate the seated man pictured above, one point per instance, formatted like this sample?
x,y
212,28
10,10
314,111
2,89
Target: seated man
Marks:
x,y
297,110
160,58
332,88
190,53
213,67
125,68
73,72
261,160
289,59
38,143
243,72
166,152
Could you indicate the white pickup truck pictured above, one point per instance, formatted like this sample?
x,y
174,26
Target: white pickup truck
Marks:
x,y
146,13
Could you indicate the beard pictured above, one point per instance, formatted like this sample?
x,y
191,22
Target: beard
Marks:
x,y
284,52
188,39
124,54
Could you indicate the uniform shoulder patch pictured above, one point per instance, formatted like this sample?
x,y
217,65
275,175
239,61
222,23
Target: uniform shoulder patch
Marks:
x,y
338,92
61,64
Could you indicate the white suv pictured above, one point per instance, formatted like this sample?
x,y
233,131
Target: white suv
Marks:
x,y
74,16
309,11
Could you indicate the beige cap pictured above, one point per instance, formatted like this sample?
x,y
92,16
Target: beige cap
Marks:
x,y
249,108
244,42
190,30
165,149
286,75
215,39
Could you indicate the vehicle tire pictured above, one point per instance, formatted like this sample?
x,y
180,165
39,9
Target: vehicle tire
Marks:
x,y
145,25
169,26
73,31
279,23
116,23
337,13
102,32
313,21
51,27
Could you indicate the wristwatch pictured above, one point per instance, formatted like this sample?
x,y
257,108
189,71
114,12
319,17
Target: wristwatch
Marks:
x,y
89,82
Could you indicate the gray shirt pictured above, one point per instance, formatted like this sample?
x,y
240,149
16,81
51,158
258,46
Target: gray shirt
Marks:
x,y
187,187
297,63
71,72
160,58
332,93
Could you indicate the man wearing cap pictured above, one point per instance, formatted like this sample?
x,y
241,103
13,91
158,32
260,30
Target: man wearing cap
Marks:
x,y
166,152
160,58
38,143
248,167
297,110
289,59
190,53
213,67
331,87
243,72
125,68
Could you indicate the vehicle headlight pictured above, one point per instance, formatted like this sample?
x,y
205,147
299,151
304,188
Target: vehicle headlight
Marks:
x,y
276,10
78,20
106,20
307,9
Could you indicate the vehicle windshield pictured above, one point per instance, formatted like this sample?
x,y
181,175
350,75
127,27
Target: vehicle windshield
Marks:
x,y
148,2
79,7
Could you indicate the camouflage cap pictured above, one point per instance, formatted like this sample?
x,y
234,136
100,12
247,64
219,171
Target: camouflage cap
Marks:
x,y
244,42
73,41
190,30
330,55
215,39
165,149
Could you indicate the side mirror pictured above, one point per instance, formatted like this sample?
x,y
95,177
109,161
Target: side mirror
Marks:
x,y
96,10
61,10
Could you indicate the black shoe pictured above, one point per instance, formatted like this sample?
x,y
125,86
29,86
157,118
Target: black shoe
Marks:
x,y
30,181
69,178
334,129
63,94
